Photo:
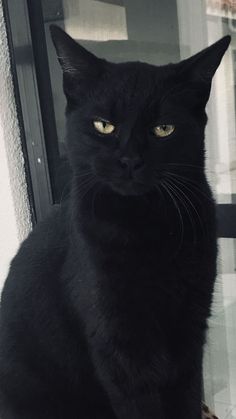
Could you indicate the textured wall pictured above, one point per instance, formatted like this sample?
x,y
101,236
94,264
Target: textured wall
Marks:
x,y
14,206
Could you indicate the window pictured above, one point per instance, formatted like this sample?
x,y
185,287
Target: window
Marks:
x,y
158,32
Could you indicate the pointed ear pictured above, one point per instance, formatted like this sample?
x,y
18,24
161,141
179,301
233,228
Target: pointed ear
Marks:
x,y
80,67
202,66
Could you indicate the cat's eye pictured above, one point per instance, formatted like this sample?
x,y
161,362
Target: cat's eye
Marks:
x,y
103,127
163,130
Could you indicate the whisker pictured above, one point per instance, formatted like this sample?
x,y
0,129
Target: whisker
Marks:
x,y
191,183
88,188
191,203
189,166
83,173
186,165
163,183
159,190
86,182
72,185
63,197
184,203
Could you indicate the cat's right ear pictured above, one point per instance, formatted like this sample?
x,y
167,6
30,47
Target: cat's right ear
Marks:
x,y
80,67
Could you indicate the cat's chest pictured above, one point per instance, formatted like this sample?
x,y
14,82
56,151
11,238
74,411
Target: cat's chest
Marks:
x,y
132,261
138,281
136,295
132,301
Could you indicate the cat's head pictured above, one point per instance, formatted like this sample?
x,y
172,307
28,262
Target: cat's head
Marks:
x,y
131,124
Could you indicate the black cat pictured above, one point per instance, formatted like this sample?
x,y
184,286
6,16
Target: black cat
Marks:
x,y
104,312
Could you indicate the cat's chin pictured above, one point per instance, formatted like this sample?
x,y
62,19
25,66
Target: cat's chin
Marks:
x,y
130,189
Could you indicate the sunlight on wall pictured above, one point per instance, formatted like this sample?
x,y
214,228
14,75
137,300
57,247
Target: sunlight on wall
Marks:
x,y
9,241
14,209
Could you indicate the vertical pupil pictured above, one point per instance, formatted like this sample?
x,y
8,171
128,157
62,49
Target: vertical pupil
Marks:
x,y
164,127
104,124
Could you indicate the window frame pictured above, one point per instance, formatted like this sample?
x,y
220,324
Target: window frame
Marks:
x,y
29,106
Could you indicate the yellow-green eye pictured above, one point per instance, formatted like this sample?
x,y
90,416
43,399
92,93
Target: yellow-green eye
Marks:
x,y
163,130
104,127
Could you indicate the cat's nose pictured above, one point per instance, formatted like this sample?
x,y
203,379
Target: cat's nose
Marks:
x,y
131,163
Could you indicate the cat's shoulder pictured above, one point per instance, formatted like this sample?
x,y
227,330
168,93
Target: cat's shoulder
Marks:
x,y
33,282
48,236
42,250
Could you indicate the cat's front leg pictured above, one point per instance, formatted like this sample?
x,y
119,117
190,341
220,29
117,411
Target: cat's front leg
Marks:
x,y
129,395
184,400
26,414
139,407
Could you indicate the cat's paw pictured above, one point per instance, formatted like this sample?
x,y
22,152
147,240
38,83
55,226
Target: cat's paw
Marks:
x,y
207,413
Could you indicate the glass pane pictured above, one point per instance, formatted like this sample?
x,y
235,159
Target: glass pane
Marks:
x,y
220,354
206,22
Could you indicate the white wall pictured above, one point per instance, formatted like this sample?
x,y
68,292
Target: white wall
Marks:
x,y
14,206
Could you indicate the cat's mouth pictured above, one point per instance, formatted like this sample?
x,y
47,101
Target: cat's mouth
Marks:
x,y
130,187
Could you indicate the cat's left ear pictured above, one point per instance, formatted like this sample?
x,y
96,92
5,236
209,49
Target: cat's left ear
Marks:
x,y
202,66
81,68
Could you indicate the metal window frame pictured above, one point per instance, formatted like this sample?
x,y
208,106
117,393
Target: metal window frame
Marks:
x,y
226,216
27,95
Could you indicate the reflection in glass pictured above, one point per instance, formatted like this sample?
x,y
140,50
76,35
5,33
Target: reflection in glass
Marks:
x,y
220,354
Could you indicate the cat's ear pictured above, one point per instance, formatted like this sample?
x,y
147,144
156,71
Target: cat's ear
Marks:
x,y
202,66
194,75
80,67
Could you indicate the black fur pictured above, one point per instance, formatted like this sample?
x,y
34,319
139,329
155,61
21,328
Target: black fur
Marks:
x,y
105,308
